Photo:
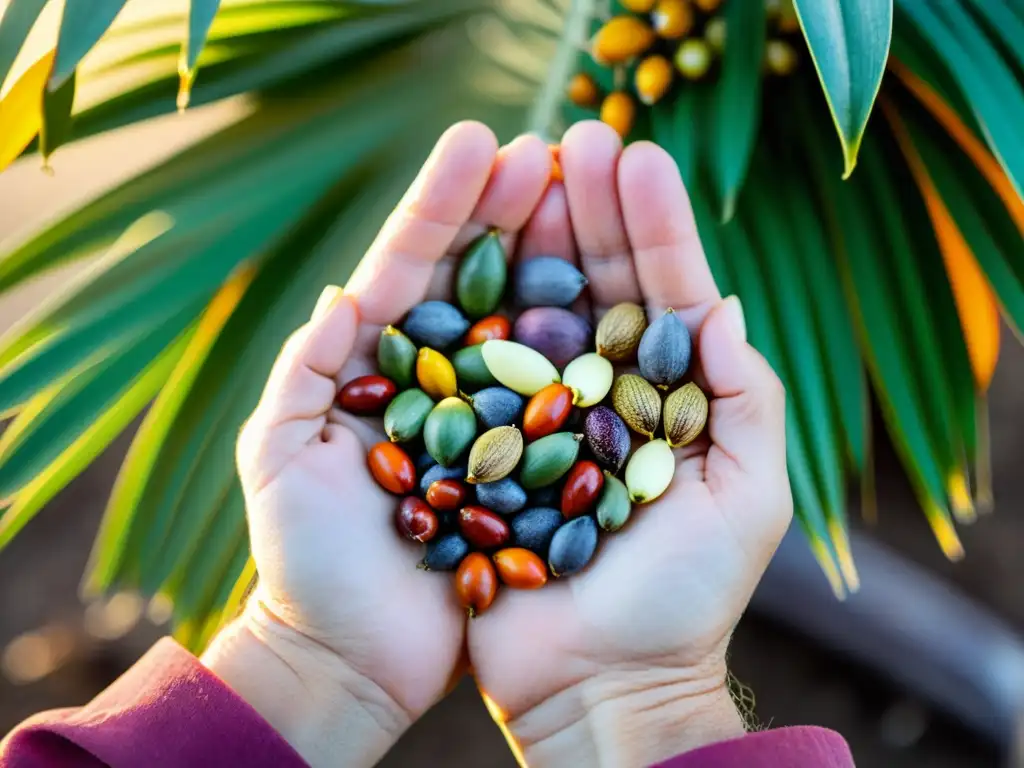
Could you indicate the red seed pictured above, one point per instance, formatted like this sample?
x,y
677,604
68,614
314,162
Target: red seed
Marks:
x,y
520,568
367,395
476,583
493,327
446,495
392,468
582,487
482,528
415,520
547,411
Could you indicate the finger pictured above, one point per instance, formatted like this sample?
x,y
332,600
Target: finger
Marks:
x,y
395,273
549,232
590,156
670,263
747,420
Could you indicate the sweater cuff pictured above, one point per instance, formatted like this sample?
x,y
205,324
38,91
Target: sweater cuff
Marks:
x,y
168,710
797,747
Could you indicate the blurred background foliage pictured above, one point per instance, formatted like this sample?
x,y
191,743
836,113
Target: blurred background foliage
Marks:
x,y
873,269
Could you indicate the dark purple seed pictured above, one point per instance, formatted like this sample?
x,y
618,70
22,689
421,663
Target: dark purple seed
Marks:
x,y
558,334
608,437
534,528
572,546
435,324
664,353
547,281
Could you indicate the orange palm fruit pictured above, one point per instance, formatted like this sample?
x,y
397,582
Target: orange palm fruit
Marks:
x,y
708,6
435,374
619,111
653,78
672,19
556,163
621,39
638,6
476,583
446,495
392,468
547,411
520,568
492,327
582,90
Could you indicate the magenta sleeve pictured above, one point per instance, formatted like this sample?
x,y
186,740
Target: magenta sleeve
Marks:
x,y
798,747
167,710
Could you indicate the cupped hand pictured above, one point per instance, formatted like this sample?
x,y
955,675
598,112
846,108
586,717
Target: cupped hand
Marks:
x,y
624,663
373,641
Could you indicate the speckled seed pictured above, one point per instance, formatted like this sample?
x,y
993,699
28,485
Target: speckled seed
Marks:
x,y
435,324
608,437
471,370
435,374
444,553
685,414
558,334
504,496
619,332
589,377
650,471
572,546
638,403
480,281
396,357
496,406
494,455
547,281
404,418
534,528
449,430
518,367
614,506
664,352
548,459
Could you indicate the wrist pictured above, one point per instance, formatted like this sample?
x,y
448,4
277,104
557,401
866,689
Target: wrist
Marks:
x,y
629,719
328,712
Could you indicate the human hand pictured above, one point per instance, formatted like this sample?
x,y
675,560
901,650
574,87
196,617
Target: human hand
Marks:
x,y
345,642
624,663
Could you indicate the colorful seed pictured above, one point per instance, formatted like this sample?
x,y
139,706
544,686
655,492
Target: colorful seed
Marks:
x,y
614,506
672,19
436,472
607,437
504,496
715,34
520,568
518,367
392,468
638,403
534,528
780,57
435,374
496,406
620,331
572,546
415,521
685,414
435,324
476,583
367,395
650,471
548,459
547,411
470,368
446,495
653,78
396,357
590,378
445,553
621,39
449,430
558,334
492,327
582,488
494,455
404,418
664,352
482,528
547,281
481,278
619,111
582,90
693,59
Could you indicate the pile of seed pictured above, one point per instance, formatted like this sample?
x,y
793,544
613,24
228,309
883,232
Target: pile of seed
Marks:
x,y
517,465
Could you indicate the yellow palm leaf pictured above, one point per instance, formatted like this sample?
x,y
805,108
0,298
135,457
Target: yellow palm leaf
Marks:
x,y
21,110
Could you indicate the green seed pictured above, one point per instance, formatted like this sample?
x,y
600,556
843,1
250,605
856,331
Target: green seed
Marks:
x,y
471,369
614,506
638,403
449,430
494,455
589,377
685,414
396,357
480,282
650,471
547,459
405,416
518,367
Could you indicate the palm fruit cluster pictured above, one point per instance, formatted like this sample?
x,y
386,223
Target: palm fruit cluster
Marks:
x,y
653,44
516,431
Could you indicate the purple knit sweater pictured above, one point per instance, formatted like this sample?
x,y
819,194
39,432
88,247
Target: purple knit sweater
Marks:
x,y
169,710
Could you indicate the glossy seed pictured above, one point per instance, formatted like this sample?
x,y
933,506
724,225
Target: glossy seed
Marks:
x,y
558,334
650,471
548,459
446,495
547,411
621,39
582,90
590,378
435,374
664,352
547,281
638,403
396,357
638,6
449,430
494,455
685,414
470,368
404,418
436,472
492,327
392,468
480,281
415,521
520,568
482,528
620,330
534,528
619,111
693,58
607,437
518,367
435,324
445,552
572,546
672,19
496,406
367,395
582,488
503,496
546,496
476,583
653,78
613,506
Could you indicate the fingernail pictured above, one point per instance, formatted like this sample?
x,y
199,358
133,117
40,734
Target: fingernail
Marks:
x,y
331,295
737,321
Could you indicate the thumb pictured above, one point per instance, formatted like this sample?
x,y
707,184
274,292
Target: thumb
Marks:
x,y
747,423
